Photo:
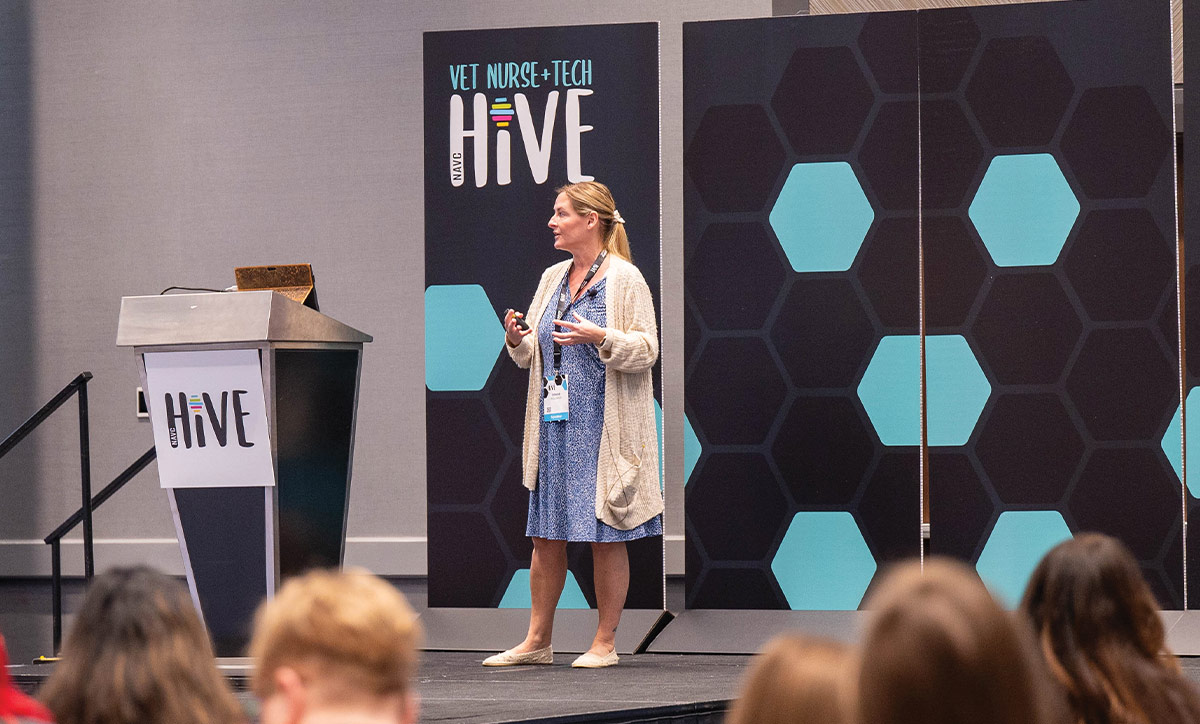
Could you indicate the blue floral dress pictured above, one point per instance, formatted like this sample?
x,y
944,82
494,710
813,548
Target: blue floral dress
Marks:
x,y
563,506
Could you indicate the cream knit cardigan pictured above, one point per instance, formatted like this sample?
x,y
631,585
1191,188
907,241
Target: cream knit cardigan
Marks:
x,y
627,487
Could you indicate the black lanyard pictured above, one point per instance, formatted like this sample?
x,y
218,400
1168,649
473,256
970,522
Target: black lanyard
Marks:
x,y
565,301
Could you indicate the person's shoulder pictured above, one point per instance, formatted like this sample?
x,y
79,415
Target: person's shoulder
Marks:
x,y
555,270
622,268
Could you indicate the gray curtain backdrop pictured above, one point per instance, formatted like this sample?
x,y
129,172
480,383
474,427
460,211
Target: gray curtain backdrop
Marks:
x,y
147,144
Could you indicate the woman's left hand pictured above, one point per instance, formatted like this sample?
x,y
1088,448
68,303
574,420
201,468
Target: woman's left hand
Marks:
x,y
581,331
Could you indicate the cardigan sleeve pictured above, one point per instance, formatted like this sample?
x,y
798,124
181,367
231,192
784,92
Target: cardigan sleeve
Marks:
x,y
523,353
634,348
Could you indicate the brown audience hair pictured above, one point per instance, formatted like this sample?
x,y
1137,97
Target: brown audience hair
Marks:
x,y
940,650
796,679
137,652
352,633
1098,627
589,196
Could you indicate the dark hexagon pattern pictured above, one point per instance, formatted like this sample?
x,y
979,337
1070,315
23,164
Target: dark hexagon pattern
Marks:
x,y
734,256
1026,329
1120,266
510,503
735,391
1019,91
1119,491
955,270
822,333
507,391
734,158
466,478
951,154
463,543
890,509
736,588
1191,315
691,333
1116,142
889,271
822,450
947,39
887,44
735,505
828,79
1122,385
891,168
960,509
1029,448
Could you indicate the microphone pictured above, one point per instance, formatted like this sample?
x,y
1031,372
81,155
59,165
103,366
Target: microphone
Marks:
x,y
593,292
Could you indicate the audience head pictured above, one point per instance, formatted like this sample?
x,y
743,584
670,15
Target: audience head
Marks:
x,y
797,679
336,642
137,652
940,650
1097,625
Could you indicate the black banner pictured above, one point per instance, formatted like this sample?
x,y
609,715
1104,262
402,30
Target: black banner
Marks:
x,y
510,115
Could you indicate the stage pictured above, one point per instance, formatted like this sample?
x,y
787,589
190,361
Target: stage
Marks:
x,y
454,687
677,688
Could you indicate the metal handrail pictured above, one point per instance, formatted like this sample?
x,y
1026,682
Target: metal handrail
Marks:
x,y
55,538
75,386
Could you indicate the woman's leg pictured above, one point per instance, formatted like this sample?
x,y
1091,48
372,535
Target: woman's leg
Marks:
x,y
547,573
611,562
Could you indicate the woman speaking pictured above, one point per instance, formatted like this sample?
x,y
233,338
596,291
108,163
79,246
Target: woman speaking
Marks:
x,y
590,455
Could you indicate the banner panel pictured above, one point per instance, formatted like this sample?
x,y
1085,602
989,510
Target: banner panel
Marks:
x,y
802,339
510,115
1049,246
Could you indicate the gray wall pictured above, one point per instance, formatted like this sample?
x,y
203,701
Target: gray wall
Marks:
x,y
149,144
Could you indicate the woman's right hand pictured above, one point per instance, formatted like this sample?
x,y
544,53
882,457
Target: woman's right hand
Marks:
x,y
512,333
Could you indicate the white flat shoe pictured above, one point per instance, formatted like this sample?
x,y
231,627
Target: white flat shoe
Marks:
x,y
512,658
592,661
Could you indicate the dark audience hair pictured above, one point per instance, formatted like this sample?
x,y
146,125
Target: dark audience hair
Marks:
x,y
1098,627
940,650
137,653
797,679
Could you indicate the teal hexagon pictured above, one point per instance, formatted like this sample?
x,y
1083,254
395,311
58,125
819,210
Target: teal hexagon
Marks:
x,y
463,335
1172,443
821,216
517,593
956,389
658,423
1016,544
691,449
823,563
1024,209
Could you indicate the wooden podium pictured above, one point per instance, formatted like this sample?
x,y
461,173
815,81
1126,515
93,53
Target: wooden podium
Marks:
x,y
253,399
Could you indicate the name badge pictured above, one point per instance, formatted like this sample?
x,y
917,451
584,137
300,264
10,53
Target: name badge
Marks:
x,y
554,398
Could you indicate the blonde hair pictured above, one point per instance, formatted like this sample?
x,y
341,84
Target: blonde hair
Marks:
x,y
351,631
797,679
592,196
942,651
137,652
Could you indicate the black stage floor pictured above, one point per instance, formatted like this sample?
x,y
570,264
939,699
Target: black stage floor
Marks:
x,y
647,688
454,687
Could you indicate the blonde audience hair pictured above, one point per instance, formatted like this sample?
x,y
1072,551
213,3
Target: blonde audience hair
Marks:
x,y
940,650
592,196
137,652
797,679
351,633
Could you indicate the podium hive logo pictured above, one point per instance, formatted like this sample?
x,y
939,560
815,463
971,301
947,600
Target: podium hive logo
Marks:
x,y
195,414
